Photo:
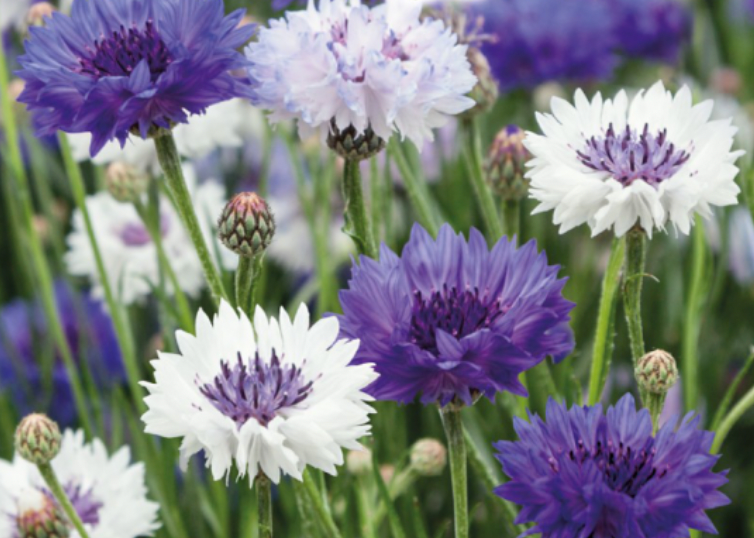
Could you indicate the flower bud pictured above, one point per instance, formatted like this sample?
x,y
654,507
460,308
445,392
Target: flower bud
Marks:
x,y
486,91
38,13
504,168
247,225
38,439
428,457
656,372
40,517
359,462
352,145
125,183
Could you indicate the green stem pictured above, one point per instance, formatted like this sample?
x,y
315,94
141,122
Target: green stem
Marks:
x,y
417,194
451,419
655,402
604,336
120,324
248,274
482,191
692,318
636,252
323,513
167,153
38,259
358,224
57,490
722,409
731,418
512,217
264,506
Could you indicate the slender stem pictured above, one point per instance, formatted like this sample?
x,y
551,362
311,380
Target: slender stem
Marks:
x,y
482,191
38,259
451,419
512,217
264,506
57,490
722,409
655,402
695,296
636,251
358,224
244,282
417,194
604,340
167,153
731,418
122,329
324,515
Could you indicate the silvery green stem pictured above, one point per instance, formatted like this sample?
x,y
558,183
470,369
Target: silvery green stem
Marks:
x,y
358,223
48,474
167,154
451,419
247,276
482,191
264,506
636,252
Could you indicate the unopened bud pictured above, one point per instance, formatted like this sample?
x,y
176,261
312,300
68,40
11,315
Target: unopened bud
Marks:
x,y
387,472
486,91
504,168
428,457
125,183
350,144
38,439
38,13
40,517
247,225
359,462
656,372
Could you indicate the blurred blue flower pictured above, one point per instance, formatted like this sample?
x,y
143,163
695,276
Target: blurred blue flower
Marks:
x,y
124,66
26,346
582,473
540,41
652,29
452,319
741,249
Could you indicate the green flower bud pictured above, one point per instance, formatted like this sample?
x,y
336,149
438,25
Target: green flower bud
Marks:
x,y
352,145
247,225
40,517
125,183
38,439
359,462
504,168
428,457
656,372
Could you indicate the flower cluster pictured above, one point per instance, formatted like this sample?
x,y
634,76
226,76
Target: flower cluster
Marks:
x,y
131,66
452,319
345,66
582,473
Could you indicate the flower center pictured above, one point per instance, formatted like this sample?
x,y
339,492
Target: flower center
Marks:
x,y
85,504
254,389
630,155
625,469
135,234
456,313
120,53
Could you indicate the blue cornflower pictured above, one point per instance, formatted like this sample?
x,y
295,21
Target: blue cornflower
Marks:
x,y
25,341
116,67
652,29
453,319
582,473
539,41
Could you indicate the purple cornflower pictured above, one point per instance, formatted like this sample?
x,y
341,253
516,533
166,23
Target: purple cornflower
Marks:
x,y
116,67
452,319
582,473
652,29
539,41
25,341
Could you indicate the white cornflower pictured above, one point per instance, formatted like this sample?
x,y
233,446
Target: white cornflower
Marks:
x,y
613,164
108,493
130,255
274,397
344,64
224,125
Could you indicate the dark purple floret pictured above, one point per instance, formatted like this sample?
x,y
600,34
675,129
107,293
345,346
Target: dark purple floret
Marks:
x,y
629,155
453,319
116,67
582,473
255,389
